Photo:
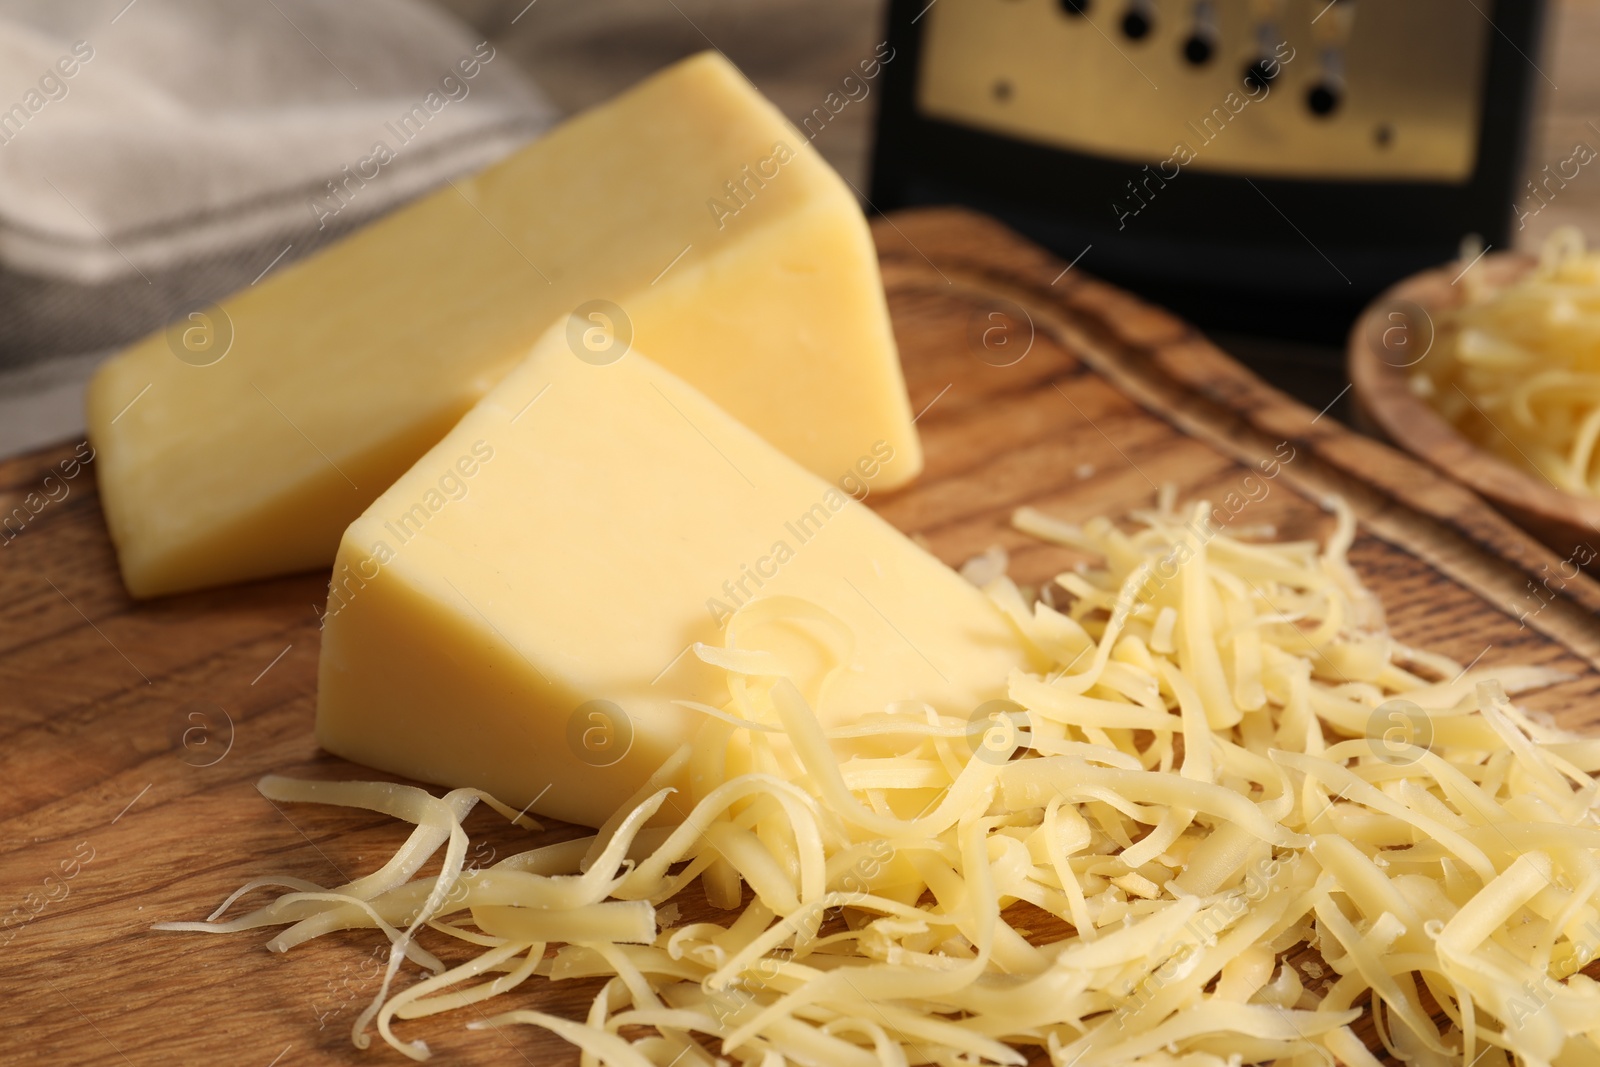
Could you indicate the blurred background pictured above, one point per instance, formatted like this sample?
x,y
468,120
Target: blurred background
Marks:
x,y
195,146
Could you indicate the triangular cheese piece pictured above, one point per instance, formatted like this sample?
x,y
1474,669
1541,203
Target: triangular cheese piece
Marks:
x,y
686,213
518,612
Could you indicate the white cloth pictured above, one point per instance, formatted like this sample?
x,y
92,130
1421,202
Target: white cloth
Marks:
x,y
161,151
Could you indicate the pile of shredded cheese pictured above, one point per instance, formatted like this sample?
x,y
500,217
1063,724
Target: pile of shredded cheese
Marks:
x,y
1517,368
1237,823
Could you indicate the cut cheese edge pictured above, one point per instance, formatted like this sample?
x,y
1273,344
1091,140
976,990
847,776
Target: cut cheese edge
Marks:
x,y
733,253
519,612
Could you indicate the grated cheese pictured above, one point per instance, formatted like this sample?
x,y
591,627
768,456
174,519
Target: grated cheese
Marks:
x,y
1201,839
1516,368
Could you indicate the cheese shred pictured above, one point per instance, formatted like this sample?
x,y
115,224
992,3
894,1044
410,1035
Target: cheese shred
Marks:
x,y
1236,823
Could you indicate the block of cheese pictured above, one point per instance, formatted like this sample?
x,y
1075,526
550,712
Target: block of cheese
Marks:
x,y
685,216
515,613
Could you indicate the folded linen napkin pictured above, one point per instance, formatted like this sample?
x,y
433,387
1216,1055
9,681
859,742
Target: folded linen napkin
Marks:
x,y
154,153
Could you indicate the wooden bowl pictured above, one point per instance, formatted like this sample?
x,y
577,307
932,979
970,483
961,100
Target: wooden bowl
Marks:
x,y
1395,334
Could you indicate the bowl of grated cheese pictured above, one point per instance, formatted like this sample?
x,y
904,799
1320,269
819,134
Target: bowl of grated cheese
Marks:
x,y
1488,368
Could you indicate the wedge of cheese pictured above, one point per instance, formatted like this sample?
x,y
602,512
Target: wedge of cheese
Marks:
x,y
686,216
517,612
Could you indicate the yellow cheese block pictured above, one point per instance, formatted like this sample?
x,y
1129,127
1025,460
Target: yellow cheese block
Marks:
x,y
685,216
516,612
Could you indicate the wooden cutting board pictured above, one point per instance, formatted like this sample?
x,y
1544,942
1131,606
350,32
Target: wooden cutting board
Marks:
x,y
131,735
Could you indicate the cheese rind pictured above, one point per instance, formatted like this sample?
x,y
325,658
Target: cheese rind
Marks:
x,y
734,253
516,612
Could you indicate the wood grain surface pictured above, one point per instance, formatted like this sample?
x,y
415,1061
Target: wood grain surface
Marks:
x,y
131,735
